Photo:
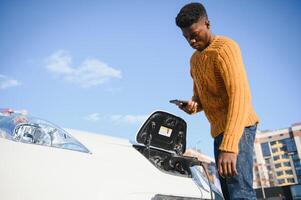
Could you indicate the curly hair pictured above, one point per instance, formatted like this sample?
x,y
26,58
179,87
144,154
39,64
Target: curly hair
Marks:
x,y
190,14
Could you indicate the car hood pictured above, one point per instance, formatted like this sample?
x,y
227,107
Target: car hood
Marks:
x,y
93,140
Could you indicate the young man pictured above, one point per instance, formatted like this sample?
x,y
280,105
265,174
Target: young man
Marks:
x,y
220,88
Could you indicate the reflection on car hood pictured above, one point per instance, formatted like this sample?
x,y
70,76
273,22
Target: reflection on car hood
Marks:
x,y
85,136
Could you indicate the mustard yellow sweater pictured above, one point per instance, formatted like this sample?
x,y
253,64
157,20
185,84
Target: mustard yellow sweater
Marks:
x,y
222,91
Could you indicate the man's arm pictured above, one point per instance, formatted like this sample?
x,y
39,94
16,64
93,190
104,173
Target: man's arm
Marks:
x,y
230,63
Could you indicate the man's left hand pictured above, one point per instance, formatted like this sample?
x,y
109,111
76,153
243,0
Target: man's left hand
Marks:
x,y
227,164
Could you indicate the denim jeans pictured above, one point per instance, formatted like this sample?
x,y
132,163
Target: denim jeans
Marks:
x,y
240,186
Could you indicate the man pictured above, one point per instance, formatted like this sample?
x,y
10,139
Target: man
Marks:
x,y
220,88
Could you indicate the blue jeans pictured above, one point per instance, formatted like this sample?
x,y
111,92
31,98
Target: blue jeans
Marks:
x,y
240,186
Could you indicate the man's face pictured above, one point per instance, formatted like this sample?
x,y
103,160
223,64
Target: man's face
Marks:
x,y
198,34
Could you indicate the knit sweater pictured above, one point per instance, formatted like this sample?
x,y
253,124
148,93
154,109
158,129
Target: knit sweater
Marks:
x,y
221,89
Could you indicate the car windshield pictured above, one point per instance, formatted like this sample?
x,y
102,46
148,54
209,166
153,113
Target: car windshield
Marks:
x,y
22,128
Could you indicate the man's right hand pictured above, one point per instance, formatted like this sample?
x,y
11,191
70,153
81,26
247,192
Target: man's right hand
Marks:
x,y
190,108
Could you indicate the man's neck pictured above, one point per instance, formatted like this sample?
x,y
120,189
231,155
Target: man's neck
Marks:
x,y
211,38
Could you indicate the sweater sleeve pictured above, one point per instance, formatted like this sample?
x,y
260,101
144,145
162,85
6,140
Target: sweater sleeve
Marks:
x,y
234,76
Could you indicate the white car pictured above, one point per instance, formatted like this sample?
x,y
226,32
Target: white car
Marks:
x,y
39,160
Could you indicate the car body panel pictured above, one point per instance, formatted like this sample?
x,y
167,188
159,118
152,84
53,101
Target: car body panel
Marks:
x,y
113,170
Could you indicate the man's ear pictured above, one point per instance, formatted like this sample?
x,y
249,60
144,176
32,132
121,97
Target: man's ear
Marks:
x,y
207,22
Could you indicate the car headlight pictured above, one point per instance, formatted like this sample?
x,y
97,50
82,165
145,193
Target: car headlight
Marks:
x,y
30,130
47,135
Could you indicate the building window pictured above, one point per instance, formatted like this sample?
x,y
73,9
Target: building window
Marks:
x,y
297,164
268,168
274,150
288,171
278,165
265,149
298,171
284,156
295,156
279,173
281,142
273,143
257,176
276,158
290,144
281,181
290,180
284,148
267,161
287,164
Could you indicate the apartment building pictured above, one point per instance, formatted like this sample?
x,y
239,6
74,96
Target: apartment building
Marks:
x,y
277,157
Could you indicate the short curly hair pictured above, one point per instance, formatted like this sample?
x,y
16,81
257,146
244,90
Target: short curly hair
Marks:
x,y
190,14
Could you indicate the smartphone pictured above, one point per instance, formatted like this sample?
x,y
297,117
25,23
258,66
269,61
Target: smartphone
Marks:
x,y
179,102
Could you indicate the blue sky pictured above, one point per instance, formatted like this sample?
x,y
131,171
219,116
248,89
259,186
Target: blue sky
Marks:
x,y
103,66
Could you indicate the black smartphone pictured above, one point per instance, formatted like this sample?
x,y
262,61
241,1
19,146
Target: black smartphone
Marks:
x,y
179,102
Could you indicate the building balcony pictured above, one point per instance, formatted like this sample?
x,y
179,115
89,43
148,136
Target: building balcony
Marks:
x,y
279,153
286,183
285,176
277,145
281,160
283,168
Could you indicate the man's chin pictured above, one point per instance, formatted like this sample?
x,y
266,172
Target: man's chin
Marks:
x,y
199,48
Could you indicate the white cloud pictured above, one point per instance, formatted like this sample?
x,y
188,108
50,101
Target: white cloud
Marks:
x,y
94,117
129,119
118,119
91,72
59,63
113,90
6,82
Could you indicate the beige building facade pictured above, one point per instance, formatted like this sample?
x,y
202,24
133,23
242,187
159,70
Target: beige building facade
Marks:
x,y
277,157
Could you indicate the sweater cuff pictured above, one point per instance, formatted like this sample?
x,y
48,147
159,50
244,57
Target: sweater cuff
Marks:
x,y
230,144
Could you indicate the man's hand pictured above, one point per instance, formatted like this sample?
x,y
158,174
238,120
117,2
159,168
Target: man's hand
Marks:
x,y
190,108
227,164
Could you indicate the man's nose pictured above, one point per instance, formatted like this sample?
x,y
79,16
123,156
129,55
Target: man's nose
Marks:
x,y
192,40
